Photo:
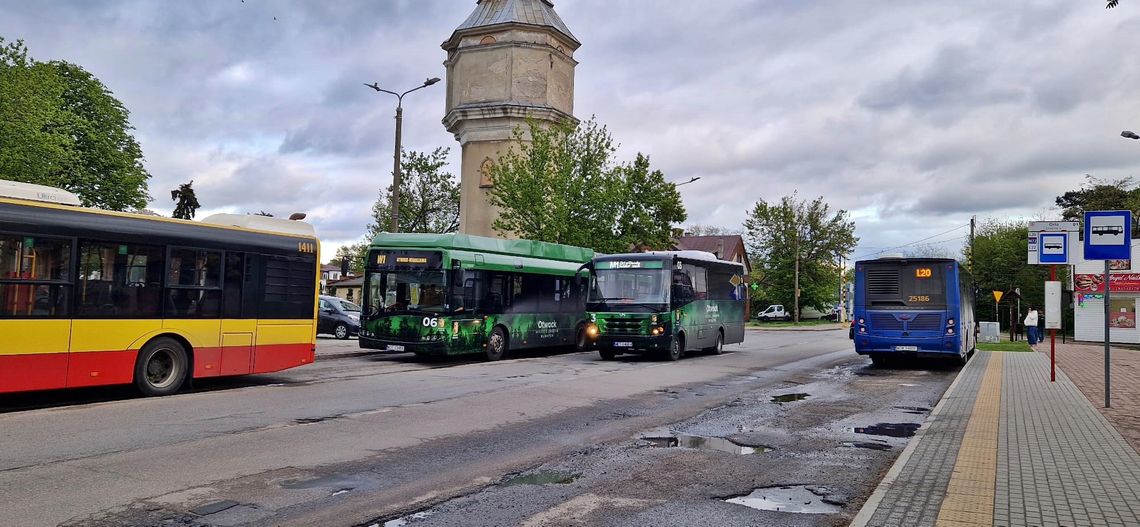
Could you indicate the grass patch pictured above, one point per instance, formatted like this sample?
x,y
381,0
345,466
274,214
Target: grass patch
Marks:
x,y
1004,345
814,322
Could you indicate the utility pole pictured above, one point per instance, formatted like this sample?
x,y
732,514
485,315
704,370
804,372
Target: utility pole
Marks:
x,y
970,261
796,306
397,151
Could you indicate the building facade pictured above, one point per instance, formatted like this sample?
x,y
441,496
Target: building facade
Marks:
x,y
1124,298
510,61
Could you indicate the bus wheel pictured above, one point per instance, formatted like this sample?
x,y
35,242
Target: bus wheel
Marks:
x,y
161,367
341,331
718,347
581,343
607,354
497,344
676,349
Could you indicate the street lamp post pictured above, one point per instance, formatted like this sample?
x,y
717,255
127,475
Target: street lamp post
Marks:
x,y
396,176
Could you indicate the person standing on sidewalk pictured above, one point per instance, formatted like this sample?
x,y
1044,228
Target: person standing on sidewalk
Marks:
x,y
1031,325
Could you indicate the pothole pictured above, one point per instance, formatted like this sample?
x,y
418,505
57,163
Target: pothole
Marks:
x,y
789,397
800,499
889,429
545,477
335,482
704,443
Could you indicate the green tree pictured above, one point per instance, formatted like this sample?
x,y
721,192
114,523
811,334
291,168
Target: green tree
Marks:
x,y
1000,264
354,254
429,196
1096,194
186,202
60,126
779,232
563,186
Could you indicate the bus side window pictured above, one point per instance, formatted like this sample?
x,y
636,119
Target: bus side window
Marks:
x,y
682,289
234,277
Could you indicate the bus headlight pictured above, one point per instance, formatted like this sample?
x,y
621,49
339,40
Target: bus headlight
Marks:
x,y
653,319
658,330
592,330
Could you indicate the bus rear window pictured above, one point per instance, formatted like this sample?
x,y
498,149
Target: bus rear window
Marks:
x,y
912,286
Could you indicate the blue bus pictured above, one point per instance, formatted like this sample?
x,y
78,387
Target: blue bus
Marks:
x,y
919,307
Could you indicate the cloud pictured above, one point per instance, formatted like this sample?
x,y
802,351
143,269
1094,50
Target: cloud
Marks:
x,y
914,116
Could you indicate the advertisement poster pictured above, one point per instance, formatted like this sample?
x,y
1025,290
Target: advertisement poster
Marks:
x,y
1094,283
1122,313
1120,265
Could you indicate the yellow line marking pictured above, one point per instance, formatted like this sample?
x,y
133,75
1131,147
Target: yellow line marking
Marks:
x,y
970,494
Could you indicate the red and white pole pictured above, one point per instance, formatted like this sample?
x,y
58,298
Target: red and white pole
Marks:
x,y
1053,336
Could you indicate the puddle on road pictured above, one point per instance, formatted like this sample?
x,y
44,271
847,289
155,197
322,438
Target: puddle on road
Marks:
x,y
867,445
404,520
789,397
889,429
337,483
792,499
545,477
704,443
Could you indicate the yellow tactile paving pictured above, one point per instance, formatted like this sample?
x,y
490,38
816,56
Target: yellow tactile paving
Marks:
x,y
970,494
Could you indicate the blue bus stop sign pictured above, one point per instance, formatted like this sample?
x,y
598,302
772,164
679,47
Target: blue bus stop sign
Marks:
x,y
1053,248
1108,235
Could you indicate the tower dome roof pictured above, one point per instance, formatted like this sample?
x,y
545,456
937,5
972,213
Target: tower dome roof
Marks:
x,y
528,12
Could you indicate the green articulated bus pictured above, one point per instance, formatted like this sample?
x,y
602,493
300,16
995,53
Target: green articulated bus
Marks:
x,y
453,294
664,302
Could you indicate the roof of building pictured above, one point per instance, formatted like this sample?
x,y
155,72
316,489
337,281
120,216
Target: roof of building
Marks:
x,y
330,267
529,12
726,247
356,281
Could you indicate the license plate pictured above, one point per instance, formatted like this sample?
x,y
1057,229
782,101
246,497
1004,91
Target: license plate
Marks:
x,y
623,344
394,347
906,348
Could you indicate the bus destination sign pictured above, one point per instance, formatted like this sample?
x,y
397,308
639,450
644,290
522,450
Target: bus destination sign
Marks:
x,y
631,264
403,259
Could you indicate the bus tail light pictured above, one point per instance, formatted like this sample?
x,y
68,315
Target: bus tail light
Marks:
x,y
950,322
949,331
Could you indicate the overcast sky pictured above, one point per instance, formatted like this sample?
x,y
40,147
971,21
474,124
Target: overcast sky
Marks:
x,y
913,116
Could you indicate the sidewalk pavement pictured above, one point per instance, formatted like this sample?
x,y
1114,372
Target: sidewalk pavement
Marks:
x,y
1006,447
1084,365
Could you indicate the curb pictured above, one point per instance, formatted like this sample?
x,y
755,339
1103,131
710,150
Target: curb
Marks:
x,y
348,355
747,328
872,503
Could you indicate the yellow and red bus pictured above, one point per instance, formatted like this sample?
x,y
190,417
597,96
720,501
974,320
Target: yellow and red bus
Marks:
x,y
91,297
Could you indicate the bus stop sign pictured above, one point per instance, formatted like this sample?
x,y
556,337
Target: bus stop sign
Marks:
x,y
1108,235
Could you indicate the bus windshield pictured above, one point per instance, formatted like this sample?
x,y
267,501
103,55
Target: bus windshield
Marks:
x,y
920,285
610,288
403,291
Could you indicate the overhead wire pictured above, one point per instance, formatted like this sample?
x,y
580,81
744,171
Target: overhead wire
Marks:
x,y
915,242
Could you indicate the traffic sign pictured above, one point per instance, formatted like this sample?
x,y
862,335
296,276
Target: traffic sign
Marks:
x,y
1108,235
1037,247
997,296
1053,248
